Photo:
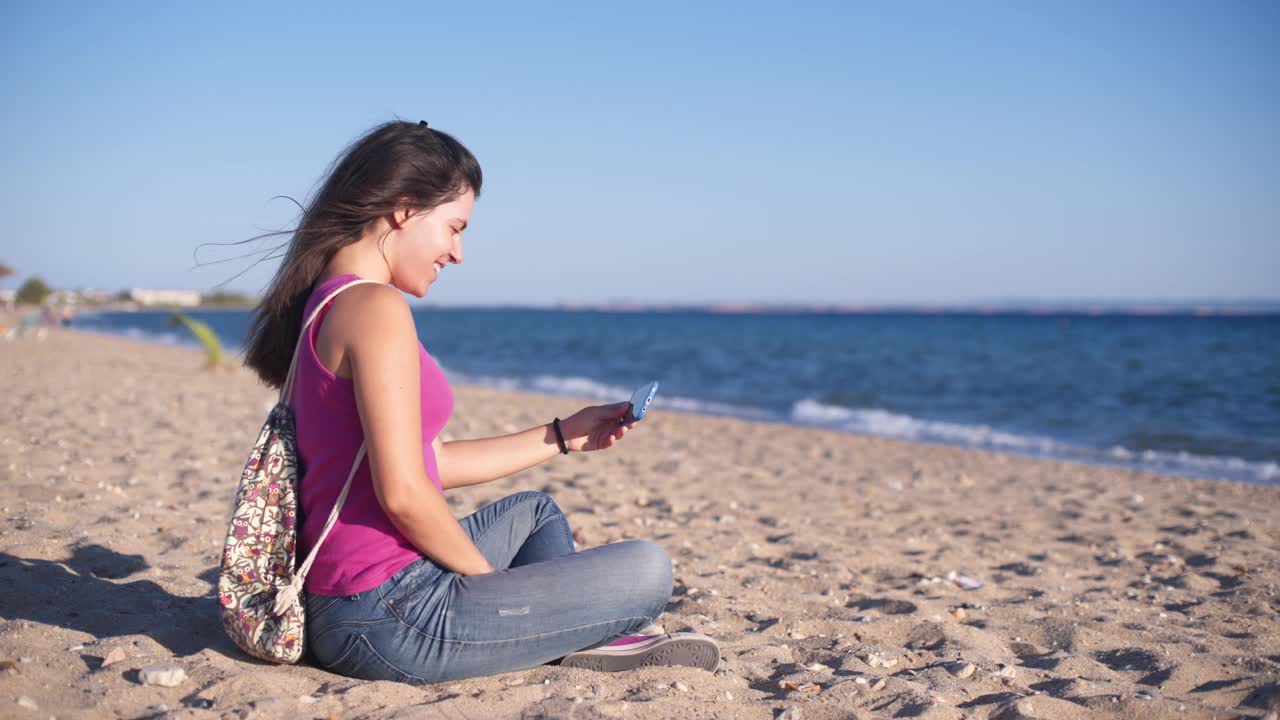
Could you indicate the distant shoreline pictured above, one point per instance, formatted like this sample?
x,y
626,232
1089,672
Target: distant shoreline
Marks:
x,y
984,309
1142,310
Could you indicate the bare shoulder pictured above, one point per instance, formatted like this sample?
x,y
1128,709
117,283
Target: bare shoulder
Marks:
x,y
368,310
366,320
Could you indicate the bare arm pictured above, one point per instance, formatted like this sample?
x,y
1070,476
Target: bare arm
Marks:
x,y
471,462
385,371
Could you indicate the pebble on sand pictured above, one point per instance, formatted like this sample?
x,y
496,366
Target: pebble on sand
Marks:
x,y
113,657
963,582
28,703
962,670
874,659
162,674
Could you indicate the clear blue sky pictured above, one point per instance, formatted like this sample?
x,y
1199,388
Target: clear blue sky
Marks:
x,y
843,152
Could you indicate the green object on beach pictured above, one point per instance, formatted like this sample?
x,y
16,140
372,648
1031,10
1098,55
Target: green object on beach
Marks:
x,y
207,337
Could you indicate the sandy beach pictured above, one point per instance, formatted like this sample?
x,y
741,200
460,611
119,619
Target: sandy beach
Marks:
x,y
845,577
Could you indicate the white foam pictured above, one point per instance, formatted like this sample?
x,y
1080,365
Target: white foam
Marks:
x,y
550,384
882,423
704,407
152,336
588,388
873,421
862,421
163,337
580,386
1266,472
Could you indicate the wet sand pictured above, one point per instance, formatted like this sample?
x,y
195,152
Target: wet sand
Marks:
x,y
833,569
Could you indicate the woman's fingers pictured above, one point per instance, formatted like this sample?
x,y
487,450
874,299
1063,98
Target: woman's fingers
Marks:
x,y
607,438
607,434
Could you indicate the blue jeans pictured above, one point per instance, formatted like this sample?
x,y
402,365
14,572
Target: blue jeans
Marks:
x,y
544,601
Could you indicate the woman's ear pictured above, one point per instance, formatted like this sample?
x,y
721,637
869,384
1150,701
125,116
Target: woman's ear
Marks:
x,y
401,215
398,217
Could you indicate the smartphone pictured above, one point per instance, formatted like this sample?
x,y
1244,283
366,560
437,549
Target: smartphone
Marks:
x,y
640,400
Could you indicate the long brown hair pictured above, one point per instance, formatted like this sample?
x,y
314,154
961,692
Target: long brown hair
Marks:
x,y
394,165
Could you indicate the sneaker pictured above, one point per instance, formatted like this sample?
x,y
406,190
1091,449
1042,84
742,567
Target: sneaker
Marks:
x,y
633,651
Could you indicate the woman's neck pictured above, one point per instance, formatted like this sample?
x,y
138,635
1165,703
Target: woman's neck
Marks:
x,y
362,258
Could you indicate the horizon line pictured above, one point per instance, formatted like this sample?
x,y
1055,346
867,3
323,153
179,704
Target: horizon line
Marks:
x,y
1010,304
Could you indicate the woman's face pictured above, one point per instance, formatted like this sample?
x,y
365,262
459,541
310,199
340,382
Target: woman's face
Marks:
x,y
428,241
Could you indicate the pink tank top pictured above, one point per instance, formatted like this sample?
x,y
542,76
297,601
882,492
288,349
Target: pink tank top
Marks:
x,y
364,548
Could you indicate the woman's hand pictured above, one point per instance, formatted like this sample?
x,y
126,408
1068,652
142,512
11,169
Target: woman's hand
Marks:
x,y
595,427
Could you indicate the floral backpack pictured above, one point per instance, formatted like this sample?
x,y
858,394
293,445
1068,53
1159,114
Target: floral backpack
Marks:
x,y
260,583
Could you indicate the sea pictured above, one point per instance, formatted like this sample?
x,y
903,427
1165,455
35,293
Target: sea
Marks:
x,y
1193,395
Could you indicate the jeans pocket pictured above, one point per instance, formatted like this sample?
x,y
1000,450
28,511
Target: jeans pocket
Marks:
x,y
418,578
359,659
342,654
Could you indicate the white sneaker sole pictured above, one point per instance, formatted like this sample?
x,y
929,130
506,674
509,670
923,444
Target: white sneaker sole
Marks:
x,y
683,649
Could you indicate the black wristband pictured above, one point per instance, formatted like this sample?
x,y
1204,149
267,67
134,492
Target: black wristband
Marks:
x,y
564,449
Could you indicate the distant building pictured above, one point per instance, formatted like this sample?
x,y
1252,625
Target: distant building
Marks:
x,y
94,296
180,298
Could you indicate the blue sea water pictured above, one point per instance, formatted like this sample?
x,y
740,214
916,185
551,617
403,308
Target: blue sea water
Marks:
x,y
1189,395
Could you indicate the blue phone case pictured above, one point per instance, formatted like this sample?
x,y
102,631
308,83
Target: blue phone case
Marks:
x,y
640,401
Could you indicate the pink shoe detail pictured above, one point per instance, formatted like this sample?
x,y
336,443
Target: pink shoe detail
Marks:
x,y
632,651
629,639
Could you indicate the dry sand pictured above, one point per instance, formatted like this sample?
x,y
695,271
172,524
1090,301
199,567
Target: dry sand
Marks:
x,y
818,559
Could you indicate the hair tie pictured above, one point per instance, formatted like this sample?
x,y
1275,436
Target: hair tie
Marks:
x,y
422,123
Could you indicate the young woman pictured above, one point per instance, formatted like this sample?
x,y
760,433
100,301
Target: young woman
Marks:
x,y
400,589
